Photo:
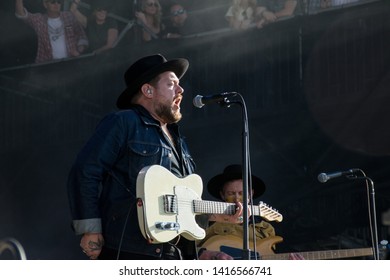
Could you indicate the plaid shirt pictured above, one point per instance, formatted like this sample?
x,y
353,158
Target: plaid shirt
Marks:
x,y
74,34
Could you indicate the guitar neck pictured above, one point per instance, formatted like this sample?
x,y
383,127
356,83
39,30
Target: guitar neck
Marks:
x,y
324,255
217,207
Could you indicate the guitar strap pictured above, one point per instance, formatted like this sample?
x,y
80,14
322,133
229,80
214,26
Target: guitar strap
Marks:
x,y
120,183
177,167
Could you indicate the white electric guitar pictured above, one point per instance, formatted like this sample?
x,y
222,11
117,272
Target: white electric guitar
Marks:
x,y
167,205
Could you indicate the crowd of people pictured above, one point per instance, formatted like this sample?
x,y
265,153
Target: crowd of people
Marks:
x,y
69,28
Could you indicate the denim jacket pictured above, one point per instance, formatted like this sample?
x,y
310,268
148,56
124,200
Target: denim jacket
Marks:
x,y
102,181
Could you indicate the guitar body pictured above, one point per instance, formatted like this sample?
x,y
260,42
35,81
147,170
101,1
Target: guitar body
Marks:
x,y
165,205
263,246
232,245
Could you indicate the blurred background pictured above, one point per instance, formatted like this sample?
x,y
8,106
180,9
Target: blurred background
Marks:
x,y
317,89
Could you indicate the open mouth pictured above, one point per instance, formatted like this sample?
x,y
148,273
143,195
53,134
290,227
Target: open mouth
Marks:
x,y
176,102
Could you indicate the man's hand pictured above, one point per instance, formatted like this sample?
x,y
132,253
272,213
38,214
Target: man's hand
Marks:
x,y
19,8
214,255
236,218
269,16
91,244
295,256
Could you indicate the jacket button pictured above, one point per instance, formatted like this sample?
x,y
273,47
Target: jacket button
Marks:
x,y
158,250
144,152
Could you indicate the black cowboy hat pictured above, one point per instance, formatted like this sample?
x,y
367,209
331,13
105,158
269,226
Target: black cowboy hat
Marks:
x,y
233,172
144,70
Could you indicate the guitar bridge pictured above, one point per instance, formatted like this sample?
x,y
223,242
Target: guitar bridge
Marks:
x,y
170,204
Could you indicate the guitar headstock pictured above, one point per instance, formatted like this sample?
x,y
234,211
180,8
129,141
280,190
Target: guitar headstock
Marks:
x,y
268,213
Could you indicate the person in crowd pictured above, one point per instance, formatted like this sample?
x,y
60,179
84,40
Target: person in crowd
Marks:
x,y
102,31
334,3
102,181
325,4
59,34
181,23
149,17
228,187
241,15
269,11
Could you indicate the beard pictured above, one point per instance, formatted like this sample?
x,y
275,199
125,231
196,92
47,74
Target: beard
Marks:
x,y
168,114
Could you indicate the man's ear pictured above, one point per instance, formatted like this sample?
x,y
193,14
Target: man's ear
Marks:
x,y
222,195
147,90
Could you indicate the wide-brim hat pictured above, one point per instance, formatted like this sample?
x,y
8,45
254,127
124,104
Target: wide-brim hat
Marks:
x,y
146,69
233,172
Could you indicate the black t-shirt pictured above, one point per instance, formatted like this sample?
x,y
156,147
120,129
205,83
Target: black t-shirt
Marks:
x,y
97,33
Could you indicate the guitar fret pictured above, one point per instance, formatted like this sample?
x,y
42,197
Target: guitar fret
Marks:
x,y
217,207
213,207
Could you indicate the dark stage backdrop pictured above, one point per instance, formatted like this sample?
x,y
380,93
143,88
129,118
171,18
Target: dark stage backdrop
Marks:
x,y
317,93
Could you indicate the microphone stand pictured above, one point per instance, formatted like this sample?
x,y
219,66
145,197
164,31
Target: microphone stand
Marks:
x,y
245,171
14,247
371,211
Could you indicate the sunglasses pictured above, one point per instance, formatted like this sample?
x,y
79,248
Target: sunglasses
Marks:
x,y
178,12
152,4
54,1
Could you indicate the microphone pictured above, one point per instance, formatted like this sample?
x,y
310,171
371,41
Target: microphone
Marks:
x,y
199,101
324,177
